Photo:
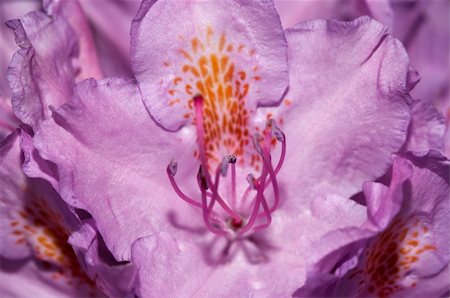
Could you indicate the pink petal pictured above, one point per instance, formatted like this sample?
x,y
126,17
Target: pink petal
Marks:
x,y
41,73
427,128
347,109
111,159
182,48
87,60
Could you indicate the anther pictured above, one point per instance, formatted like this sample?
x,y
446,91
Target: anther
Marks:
x,y
256,140
231,158
198,98
279,134
251,181
202,179
172,167
270,123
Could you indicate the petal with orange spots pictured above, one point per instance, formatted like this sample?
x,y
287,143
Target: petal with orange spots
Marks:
x,y
182,48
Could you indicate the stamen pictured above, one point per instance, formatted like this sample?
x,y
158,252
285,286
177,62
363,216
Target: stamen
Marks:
x,y
233,222
198,103
251,181
232,158
279,134
232,161
172,167
171,171
256,140
254,214
206,216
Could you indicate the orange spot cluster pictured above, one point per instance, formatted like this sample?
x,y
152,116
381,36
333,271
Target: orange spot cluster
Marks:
x,y
390,256
40,227
212,69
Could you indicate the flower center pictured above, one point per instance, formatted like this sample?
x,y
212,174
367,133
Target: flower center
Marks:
x,y
41,228
224,73
234,217
391,256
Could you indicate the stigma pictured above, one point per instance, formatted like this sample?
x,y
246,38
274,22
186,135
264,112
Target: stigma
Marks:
x,y
234,215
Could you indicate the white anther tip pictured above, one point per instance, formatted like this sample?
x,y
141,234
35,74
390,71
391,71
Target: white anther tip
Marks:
x,y
231,158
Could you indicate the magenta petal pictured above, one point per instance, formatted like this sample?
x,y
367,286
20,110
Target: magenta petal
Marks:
x,y
41,73
219,55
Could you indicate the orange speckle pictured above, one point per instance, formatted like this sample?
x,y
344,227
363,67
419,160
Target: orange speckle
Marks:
x,y
257,78
186,55
185,68
230,48
241,75
412,242
223,62
188,89
30,229
209,34
20,241
203,62
240,48
177,80
196,44
195,72
171,91
222,42
166,64
215,66
229,74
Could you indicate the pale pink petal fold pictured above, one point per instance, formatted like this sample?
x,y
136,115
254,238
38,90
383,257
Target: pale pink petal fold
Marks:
x,y
86,62
10,10
112,38
182,48
427,128
41,72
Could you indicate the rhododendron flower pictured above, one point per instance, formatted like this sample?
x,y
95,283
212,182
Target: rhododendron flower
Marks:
x,y
251,215
402,248
225,166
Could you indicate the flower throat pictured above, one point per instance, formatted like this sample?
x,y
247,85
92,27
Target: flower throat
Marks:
x,y
234,217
